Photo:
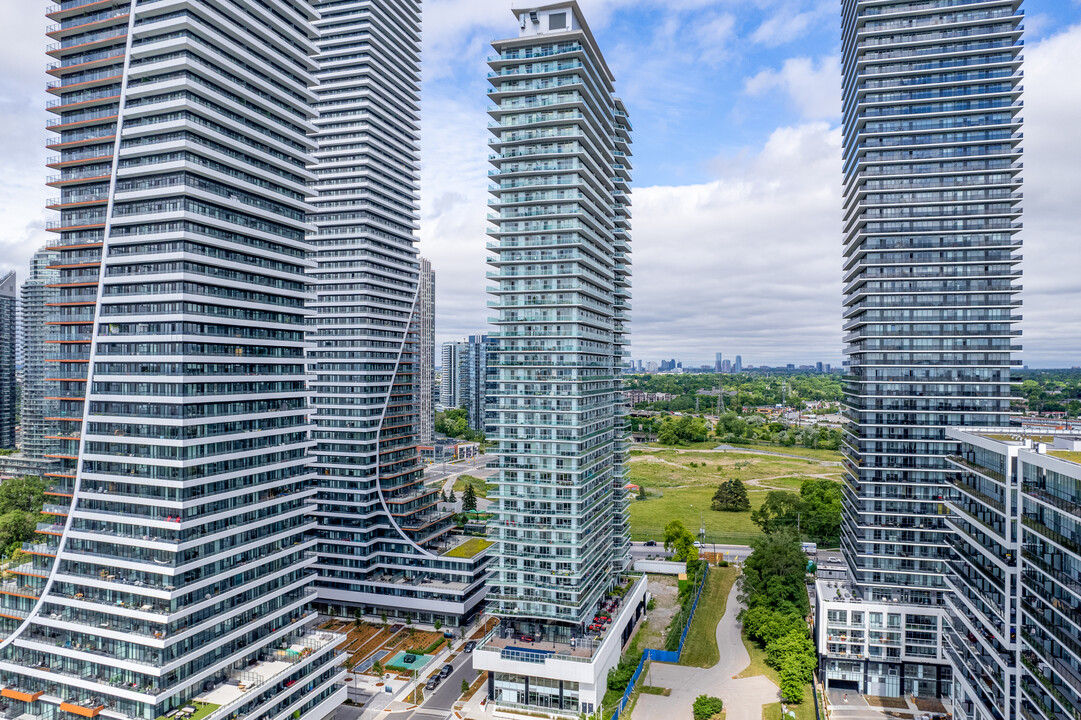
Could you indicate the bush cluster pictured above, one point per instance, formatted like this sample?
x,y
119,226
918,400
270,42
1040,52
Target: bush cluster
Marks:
x,y
772,586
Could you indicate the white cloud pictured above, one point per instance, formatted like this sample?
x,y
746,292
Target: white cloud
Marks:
x,y
747,263
788,22
1052,235
814,88
22,125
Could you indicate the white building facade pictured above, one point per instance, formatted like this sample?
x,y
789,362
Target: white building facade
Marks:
x,y
382,534
560,244
175,569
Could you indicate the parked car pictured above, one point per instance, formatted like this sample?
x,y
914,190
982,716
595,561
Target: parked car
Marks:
x,y
447,670
433,682
651,543
697,544
469,646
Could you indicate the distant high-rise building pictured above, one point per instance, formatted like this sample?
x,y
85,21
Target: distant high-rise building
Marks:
x,y
175,568
737,366
931,161
556,409
718,363
818,366
464,382
8,389
726,366
382,534
426,319
38,299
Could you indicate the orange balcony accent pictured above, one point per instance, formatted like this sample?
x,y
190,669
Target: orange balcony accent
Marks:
x,y
80,710
20,695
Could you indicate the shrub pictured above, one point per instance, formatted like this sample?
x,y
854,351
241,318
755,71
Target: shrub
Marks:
x,y
706,706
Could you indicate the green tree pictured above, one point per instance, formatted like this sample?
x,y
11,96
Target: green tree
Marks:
x,y
794,644
820,520
465,686
378,669
469,498
774,573
706,706
25,493
682,430
780,510
452,497
679,540
16,527
731,496
792,682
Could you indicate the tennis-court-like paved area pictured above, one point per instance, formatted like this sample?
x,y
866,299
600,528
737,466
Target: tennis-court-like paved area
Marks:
x,y
743,697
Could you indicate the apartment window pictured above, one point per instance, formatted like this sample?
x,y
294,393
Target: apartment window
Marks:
x,y
557,21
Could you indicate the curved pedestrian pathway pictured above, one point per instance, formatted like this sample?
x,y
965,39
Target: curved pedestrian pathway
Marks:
x,y
743,697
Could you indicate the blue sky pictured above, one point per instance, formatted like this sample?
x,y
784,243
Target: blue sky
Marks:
x,y
737,204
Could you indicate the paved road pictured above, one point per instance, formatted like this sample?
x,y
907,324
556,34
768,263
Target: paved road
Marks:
x,y
448,691
743,697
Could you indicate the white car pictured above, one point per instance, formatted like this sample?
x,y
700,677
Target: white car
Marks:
x,y
697,544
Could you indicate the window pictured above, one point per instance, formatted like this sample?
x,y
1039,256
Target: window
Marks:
x,y
557,21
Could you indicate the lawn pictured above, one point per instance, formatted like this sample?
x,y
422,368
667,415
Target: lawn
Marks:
x,y
804,711
687,481
470,548
1071,455
670,468
648,517
202,709
479,486
701,650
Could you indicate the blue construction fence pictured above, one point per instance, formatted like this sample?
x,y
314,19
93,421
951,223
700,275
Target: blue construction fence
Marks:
x,y
651,654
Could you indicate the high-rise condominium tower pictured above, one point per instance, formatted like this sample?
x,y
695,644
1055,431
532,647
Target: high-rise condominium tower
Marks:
x,y
561,257
426,318
381,529
38,299
175,569
8,314
465,372
931,146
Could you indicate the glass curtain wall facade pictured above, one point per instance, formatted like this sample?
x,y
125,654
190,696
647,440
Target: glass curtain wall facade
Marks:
x,y
8,342
560,244
380,528
1014,640
931,148
465,373
426,316
38,299
174,570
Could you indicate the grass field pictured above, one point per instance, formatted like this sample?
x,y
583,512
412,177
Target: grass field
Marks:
x,y
794,450
701,650
479,486
687,480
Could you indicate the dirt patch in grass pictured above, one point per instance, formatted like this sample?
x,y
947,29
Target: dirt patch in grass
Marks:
x,y
929,705
665,603
887,702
